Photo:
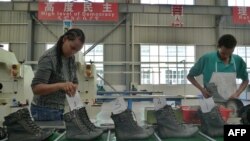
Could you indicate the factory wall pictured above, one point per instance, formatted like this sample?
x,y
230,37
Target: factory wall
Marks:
x,y
199,30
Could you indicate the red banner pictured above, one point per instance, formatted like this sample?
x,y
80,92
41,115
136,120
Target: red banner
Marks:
x,y
241,15
177,12
87,11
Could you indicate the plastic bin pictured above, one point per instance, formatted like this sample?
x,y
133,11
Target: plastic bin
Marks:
x,y
225,113
190,114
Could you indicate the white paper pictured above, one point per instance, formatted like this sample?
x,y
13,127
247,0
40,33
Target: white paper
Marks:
x,y
207,104
75,102
159,103
119,105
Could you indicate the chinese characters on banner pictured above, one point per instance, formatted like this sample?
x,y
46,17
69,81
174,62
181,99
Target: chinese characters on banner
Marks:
x,y
59,11
177,12
241,15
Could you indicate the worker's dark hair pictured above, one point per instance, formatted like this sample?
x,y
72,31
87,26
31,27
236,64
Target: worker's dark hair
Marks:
x,y
71,34
227,40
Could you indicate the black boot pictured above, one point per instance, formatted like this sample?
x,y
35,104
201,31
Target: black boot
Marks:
x,y
85,119
245,114
212,89
76,129
126,128
212,122
20,127
169,126
3,134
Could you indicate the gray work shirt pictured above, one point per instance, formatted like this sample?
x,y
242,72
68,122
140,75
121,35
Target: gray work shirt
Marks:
x,y
47,74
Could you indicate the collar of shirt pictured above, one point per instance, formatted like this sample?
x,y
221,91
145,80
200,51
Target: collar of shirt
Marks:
x,y
221,61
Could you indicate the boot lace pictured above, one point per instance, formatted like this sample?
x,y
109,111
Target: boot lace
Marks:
x,y
31,124
170,112
86,119
132,119
82,126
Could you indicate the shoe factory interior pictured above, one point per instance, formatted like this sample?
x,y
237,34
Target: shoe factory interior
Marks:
x,y
122,70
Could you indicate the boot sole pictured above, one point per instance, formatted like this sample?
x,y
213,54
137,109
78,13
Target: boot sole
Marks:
x,y
96,138
5,139
144,139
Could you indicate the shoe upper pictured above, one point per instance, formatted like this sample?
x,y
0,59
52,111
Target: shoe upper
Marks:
x,y
126,127
21,126
167,118
213,118
22,117
169,126
85,118
212,89
3,133
77,128
74,118
245,115
212,122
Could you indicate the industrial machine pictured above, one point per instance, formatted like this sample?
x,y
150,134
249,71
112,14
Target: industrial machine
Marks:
x,y
87,77
15,80
87,84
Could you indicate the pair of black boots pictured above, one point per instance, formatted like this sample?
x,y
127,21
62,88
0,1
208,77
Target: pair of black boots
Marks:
x,y
212,124
126,128
21,127
79,126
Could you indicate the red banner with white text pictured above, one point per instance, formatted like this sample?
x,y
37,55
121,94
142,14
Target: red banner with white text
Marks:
x,y
241,15
87,11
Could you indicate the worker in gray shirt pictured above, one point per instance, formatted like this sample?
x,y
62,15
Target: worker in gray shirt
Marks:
x,y
56,76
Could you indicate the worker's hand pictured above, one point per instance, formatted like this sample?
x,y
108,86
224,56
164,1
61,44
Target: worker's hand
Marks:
x,y
205,93
233,96
70,88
